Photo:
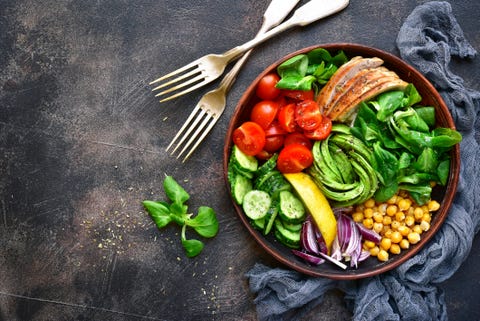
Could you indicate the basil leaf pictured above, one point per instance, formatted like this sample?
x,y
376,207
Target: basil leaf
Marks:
x,y
295,66
192,247
158,212
174,191
205,223
443,170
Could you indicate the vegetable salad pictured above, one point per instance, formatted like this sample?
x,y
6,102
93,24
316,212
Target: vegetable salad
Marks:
x,y
352,133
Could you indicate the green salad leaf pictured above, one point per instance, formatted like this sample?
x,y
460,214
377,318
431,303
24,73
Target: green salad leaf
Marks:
x,y
205,223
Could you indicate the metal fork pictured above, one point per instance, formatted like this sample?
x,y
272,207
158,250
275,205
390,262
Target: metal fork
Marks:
x,y
208,68
211,106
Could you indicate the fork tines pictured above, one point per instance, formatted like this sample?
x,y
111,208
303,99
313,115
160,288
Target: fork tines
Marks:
x,y
200,122
190,74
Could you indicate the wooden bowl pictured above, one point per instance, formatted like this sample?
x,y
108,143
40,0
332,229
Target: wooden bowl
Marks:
x,y
444,195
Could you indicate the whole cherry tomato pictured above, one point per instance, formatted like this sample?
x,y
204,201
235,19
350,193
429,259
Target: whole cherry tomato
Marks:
x,y
264,112
250,138
274,143
266,87
294,158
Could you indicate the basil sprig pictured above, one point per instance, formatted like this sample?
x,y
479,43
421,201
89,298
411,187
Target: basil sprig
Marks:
x,y
205,223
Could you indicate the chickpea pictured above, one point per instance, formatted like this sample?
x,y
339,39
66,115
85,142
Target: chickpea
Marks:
x,y
414,238
357,217
374,251
396,237
369,203
433,206
368,223
369,244
391,210
382,255
395,249
404,244
385,244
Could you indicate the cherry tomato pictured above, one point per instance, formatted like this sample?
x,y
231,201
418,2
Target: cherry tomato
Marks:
x,y
266,87
282,101
274,143
307,115
264,112
322,131
263,155
275,129
299,94
297,138
286,118
294,158
250,138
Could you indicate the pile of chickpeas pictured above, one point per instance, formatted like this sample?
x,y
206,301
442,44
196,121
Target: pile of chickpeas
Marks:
x,y
400,222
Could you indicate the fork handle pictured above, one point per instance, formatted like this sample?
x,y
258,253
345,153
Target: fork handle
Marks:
x,y
306,14
275,13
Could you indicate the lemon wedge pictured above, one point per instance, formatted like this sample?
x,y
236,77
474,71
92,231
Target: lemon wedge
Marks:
x,y
316,203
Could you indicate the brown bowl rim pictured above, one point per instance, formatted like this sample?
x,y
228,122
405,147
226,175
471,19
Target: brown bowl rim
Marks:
x,y
440,215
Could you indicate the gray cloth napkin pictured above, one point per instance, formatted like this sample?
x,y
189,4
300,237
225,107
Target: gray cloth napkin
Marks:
x,y
428,39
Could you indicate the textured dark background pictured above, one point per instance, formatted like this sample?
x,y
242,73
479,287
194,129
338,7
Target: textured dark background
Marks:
x,y
82,143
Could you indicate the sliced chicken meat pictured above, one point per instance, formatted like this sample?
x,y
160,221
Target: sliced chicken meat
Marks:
x,y
342,75
348,103
362,77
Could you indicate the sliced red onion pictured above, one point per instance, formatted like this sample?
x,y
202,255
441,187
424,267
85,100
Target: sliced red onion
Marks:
x,y
369,234
342,210
308,238
308,257
336,249
322,246
363,255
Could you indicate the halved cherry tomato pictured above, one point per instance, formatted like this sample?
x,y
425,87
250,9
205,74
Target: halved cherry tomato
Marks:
x,y
299,94
264,112
286,118
294,158
274,143
275,129
297,138
266,87
322,131
307,115
250,138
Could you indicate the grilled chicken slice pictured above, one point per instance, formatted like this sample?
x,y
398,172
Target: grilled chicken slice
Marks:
x,y
362,77
349,102
342,75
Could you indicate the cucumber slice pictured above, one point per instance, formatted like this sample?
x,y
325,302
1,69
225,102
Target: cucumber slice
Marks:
x,y
293,227
270,218
244,162
240,186
268,166
291,208
285,236
258,224
256,204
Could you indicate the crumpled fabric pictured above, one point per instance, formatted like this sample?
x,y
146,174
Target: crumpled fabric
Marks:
x,y
428,39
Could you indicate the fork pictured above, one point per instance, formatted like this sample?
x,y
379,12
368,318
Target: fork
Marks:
x,y
208,68
211,106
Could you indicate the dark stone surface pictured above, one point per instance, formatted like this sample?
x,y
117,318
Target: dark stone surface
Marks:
x,y
82,143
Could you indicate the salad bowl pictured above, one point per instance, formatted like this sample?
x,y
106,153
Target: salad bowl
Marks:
x,y
444,195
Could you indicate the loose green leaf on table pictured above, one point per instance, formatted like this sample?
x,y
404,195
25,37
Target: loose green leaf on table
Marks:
x,y
205,223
